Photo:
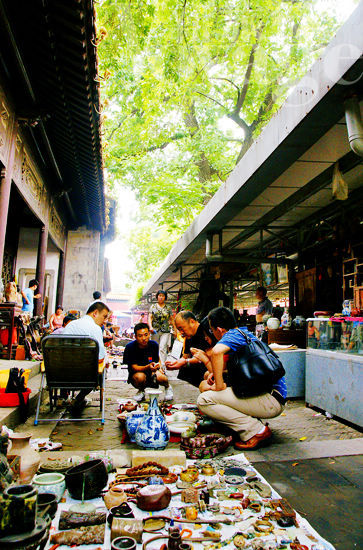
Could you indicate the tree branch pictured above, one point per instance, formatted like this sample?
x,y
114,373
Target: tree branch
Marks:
x,y
214,100
160,147
110,136
246,80
228,80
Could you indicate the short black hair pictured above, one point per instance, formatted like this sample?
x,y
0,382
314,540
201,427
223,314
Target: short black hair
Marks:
x,y
161,292
59,307
207,330
68,318
99,306
186,315
222,317
33,282
96,295
140,326
262,289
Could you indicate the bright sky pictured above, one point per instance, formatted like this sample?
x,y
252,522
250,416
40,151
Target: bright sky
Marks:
x,y
117,251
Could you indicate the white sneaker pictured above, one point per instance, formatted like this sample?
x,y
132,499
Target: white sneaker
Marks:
x,y
169,395
140,396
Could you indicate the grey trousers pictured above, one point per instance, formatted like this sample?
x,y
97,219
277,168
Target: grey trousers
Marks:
x,y
241,415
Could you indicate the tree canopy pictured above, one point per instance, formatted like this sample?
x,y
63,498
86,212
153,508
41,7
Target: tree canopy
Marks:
x,y
187,86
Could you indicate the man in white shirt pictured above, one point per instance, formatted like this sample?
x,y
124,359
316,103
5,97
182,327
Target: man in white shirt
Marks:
x,y
89,325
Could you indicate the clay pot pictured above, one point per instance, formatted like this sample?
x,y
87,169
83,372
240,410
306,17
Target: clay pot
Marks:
x,y
47,501
114,497
208,470
29,459
18,509
130,406
153,498
190,475
91,474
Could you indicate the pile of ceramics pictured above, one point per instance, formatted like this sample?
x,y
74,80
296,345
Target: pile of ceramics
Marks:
x,y
207,504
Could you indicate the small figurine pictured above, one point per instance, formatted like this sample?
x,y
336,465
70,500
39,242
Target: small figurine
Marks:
x,y
190,495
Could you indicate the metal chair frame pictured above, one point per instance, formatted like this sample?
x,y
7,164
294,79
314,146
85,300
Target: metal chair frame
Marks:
x,y
60,351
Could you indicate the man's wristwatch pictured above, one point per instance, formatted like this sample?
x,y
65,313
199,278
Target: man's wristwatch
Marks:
x,y
187,362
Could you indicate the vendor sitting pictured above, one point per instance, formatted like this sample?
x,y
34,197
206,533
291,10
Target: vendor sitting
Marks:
x,y
142,358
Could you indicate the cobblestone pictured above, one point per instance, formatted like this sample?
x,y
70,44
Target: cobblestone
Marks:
x,y
297,421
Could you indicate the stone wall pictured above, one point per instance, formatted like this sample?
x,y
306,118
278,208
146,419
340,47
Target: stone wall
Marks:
x,y
81,268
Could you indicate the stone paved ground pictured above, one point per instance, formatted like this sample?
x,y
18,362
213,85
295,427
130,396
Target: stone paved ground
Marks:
x,y
297,421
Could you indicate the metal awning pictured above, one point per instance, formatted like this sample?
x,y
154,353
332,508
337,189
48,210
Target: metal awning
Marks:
x,y
283,183
48,63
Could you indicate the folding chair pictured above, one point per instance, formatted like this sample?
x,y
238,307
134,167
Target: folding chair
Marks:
x,y
70,363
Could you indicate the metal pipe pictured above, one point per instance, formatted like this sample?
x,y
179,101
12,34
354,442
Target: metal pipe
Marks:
x,y
353,119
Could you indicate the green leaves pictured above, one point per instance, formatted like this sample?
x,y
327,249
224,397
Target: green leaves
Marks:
x,y
180,71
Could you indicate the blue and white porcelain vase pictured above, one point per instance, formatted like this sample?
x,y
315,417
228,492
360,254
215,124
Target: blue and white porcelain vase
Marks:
x,y
153,431
132,423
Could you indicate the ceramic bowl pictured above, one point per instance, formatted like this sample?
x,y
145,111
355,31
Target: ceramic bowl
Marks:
x,y
47,501
50,483
91,474
123,543
180,427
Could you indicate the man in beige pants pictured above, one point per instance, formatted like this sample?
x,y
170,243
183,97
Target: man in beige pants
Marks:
x,y
242,415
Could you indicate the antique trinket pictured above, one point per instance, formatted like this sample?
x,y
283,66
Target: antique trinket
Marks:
x,y
190,495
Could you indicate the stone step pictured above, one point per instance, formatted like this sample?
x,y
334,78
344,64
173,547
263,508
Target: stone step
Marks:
x,y
9,416
34,366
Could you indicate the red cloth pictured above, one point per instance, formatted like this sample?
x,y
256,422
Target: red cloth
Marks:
x,y
12,399
174,438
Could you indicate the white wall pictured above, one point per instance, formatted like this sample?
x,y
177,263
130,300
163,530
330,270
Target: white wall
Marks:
x,y
27,258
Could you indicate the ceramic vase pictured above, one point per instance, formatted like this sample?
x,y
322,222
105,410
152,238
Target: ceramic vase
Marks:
x,y
132,422
29,459
299,322
50,483
153,431
273,323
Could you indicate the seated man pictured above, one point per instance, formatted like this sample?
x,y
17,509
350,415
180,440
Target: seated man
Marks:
x,y
242,415
67,319
142,358
192,368
89,325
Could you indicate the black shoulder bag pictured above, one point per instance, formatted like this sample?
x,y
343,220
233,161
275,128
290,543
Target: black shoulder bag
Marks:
x,y
254,369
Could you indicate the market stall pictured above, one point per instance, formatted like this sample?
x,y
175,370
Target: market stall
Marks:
x,y
169,502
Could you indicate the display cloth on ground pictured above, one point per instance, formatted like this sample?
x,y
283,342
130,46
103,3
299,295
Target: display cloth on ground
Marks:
x,y
301,537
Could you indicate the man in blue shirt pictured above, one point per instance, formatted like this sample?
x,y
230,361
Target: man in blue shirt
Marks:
x,y
28,296
242,415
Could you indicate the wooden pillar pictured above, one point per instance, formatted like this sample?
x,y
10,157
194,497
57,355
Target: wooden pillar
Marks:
x,y
40,269
5,186
60,282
